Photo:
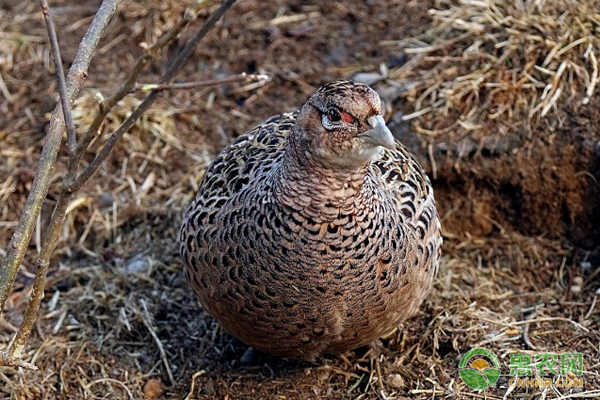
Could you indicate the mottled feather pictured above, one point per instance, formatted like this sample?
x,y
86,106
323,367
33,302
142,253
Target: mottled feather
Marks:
x,y
298,258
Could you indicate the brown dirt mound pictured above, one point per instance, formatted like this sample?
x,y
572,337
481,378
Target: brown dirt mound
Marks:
x,y
502,104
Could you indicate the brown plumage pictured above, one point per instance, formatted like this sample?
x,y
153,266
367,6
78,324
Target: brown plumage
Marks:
x,y
315,232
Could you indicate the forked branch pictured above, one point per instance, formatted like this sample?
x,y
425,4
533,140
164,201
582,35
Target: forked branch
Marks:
x,y
172,69
39,188
72,182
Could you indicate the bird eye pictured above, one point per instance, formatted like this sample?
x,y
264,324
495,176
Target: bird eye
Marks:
x,y
334,115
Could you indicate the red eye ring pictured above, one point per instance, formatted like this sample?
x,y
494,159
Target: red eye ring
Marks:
x,y
334,115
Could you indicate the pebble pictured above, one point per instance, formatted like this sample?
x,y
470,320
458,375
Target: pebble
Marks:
x,y
153,389
137,265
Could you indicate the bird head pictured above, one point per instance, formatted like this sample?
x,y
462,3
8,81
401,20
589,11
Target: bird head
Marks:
x,y
341,125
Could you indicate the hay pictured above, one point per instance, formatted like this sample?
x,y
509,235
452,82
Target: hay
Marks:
x,y
487,61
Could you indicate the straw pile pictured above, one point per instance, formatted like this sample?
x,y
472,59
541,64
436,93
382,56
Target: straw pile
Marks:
x,y
487,61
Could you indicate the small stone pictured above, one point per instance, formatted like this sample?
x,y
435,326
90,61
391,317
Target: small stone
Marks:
x,y
153,389
137,265
249,356
397,60
586,266
512,332
396,381
106,200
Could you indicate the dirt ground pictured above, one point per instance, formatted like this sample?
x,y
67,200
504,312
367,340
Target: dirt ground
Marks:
x,y
518,197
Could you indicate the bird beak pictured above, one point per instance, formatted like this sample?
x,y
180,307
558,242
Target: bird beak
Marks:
x,y
379,134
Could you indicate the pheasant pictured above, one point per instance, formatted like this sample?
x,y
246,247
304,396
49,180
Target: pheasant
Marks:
x,y
315,232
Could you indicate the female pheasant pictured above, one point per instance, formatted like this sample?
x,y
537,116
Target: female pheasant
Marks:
x,y
315,232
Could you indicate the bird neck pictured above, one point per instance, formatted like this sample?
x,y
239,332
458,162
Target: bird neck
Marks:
x,y
306,183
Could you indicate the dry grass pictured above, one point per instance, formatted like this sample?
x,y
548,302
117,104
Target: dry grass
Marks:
x,y
486,61
119,320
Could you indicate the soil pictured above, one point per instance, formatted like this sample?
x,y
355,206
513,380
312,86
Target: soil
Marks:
x,y
538,182
520,214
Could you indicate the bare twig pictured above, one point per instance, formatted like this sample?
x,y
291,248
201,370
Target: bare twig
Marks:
x,y
127,86
193,85
8,361
71,182
587,315
39,188
163,355
172,69
193,386
189,47
110,380
60,76
37,293
526,331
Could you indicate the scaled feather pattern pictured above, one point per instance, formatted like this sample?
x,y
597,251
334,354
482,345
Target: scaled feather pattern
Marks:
x,y
315,232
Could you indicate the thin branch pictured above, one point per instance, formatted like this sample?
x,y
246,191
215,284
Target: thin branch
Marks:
x,y
37,293
7,361
11,356
163,354
39,188
33,306
87,173
200,84
172,69
56,221
42,263
526,332
189,47
40,185
129,83
60,76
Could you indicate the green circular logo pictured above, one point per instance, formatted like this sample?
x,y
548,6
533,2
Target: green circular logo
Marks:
x,y
479,374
